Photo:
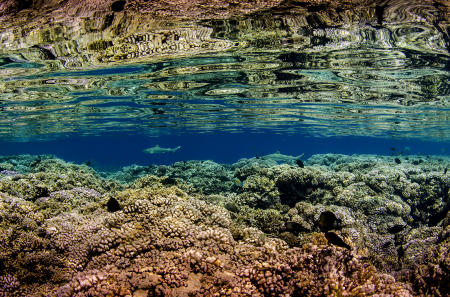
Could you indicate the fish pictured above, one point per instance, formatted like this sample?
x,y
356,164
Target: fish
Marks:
x,y
160,150
328,221
238,182
280,158
333,238
113,205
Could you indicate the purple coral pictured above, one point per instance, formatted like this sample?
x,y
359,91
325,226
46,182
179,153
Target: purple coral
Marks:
x,y
8,283
9,172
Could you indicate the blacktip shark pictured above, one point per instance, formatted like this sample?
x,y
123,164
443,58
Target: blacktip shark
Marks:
x,y
160,150
280,158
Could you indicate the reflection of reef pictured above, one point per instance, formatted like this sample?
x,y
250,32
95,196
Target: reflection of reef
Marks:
x,y
172,9
246,62
83,34
264,90
164,42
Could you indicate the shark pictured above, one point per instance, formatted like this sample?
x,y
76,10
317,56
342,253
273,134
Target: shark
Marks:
x,y
280,158
160,150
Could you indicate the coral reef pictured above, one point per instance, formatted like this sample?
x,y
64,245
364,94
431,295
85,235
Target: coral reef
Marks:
x,y
430,270
181,247
374,197
43,175
130,173
339,226
205,176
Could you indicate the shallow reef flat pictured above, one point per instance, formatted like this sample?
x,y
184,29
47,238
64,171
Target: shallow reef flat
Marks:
x,y
331,225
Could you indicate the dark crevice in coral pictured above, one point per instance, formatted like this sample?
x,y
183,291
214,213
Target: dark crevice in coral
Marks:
x,y
379,12
118,6
436,218
396,228
113,205
24,4
109,19
48,55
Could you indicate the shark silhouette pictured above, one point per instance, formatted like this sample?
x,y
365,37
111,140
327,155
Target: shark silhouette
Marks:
x,y
160,150
280,158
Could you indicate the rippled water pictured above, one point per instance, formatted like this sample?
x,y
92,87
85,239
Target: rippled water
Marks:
x,y
352,92
322,82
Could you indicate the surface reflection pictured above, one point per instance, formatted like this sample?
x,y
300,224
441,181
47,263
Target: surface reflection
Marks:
x,y
372,68
364,91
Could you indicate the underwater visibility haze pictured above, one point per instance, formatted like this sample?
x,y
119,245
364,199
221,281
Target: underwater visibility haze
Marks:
x,y
235,148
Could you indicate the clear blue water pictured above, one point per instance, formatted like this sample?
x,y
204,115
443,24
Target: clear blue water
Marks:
x,y
114,150
220,107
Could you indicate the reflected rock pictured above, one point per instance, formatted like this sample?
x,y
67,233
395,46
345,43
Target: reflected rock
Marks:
x,y
90,33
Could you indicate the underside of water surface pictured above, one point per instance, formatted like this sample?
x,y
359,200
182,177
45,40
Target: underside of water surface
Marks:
x,y
224,148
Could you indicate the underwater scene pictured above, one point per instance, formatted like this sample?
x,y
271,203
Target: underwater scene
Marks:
x,y
224,148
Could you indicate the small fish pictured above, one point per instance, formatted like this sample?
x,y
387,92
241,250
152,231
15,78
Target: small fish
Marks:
x,y
160,150
238,182
112,205
328,221
333,238
406,150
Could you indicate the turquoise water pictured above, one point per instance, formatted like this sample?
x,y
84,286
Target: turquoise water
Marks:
x,y
356,100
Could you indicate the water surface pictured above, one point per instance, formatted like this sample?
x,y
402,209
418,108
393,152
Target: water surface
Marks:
x,y
254,88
